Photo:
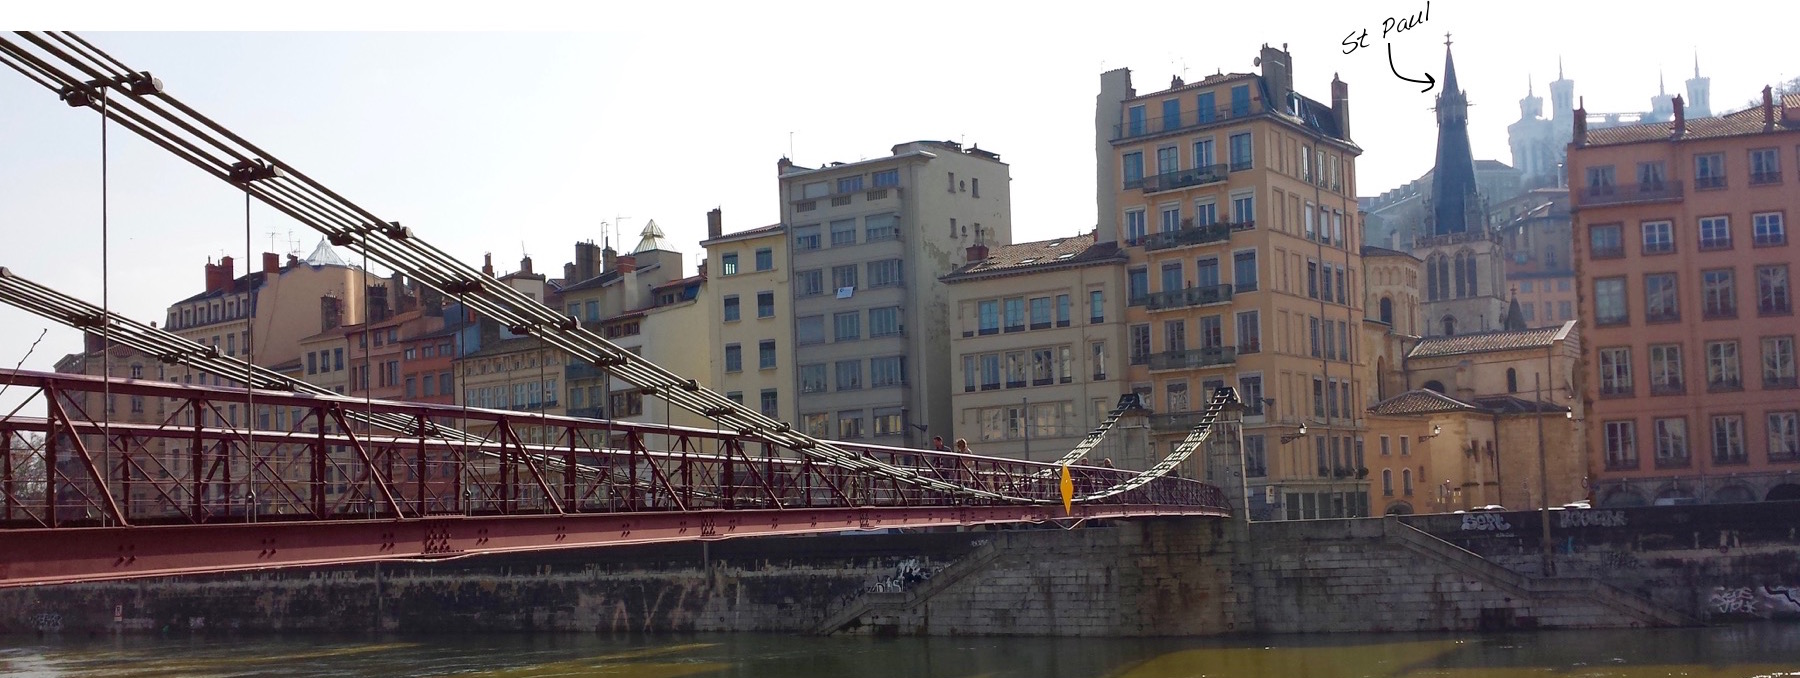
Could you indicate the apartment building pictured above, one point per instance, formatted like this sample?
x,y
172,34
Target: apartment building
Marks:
x,y
272,309
1537,236
1232,198
750,316
1685,283
1038,347
869,241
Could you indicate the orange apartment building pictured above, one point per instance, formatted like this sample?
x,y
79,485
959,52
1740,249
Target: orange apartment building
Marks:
x,y
1233,199
1685,282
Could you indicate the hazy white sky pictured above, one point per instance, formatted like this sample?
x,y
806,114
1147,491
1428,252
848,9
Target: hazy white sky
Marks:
x,y
558,116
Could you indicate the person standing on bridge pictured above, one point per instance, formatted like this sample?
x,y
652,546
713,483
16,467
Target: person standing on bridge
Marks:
x,y
962,446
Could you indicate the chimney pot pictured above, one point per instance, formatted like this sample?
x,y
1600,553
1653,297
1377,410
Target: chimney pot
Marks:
x,y
271,262
626,263
1680,127
525,265
1768,108
715,223
978,252
487,264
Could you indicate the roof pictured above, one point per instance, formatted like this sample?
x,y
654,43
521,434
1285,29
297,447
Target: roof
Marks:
x,y
653,239
1373,251
745,235
1504,340
325,255
1421,401
596,281
1742,123
690,280
1040,255
1511,404
1207,81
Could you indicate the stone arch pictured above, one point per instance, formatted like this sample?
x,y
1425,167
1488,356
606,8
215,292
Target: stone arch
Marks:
x,y
1621,497
1434,385
1448,325
1783,492
1674,493
1735,493
1387,310
1400,508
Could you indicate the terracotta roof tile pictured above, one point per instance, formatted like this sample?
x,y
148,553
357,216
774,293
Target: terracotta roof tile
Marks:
x,y
1420,401
1491,341
1742,123
1043,254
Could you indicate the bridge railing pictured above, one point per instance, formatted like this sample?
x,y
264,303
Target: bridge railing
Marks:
x,y
193,455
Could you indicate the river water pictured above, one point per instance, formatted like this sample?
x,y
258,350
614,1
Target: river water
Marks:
x,y
1738,651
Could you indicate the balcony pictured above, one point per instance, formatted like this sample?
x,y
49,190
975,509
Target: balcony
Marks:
x,y
1175,421
1672,387
1623,194
1192,296
1188,119
1707,183
1189,234
1765,178
1621,463
1197,176
1776,383
595,412
1194,358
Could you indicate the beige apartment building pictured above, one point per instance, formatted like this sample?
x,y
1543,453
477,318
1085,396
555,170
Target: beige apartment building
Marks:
x,y
274,307
1233,200
1685,277
1037,347
749,309
869,241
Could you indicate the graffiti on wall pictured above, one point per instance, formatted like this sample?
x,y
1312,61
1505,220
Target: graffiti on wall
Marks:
x,y
1591,518
906,573
1485,522
1755,601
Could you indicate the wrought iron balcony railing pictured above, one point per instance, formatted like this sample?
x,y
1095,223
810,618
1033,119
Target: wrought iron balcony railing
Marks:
x,y
1619,194
1192,296
1169,181
1194,358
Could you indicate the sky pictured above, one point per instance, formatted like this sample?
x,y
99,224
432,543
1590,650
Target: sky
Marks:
x,y
524,126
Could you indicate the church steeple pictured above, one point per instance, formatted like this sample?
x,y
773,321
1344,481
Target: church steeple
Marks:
x,y
1455,204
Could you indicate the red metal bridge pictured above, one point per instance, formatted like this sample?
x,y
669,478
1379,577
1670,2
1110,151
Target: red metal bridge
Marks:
x,y
304,476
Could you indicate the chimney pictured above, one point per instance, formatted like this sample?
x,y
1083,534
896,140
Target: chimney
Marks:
x,y
569,272
1175,82
585,260
702,268
525,265
271,262
293,259
715,223
1278,74
227,272
487,264
1675,132
783,165
609,259
92,343
1768,108
1579,138
376,301
1109,114
331,313
624,264
978,252
1340,104
212,275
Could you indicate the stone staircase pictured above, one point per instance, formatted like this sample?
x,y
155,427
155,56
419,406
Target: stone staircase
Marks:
x,y
1535,589
893,603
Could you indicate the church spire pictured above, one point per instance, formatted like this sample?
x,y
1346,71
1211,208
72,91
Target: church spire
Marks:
x,y
1455,205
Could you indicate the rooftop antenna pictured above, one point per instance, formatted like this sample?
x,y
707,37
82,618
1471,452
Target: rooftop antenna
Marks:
x,y
790,145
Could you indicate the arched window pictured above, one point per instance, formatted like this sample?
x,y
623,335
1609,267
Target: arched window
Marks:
x,y
1434,385
1387,311
1471,275
1437,274
1462,264
1380,379
1449,323
1387,482
1512,380
1406,481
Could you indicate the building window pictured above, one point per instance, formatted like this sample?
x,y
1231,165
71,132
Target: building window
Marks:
x,y
1250,392
990,371
1609,301
1621,445
1605,242
1241,156
1015,314
1709,171
806,237
1097,352
1249,332
1715,233
1040,313
887,371
846,326
1778,362
809,283
765,304
884,322
812,378
770,403
1722,368
1661,298
849,375
850,424
809,330
885,178
1765,166
312,363
1769,229
1062,310
1174,335
1671,442
989,314
1243,271
765,259
843,278
817,425
1096,307
1615,371
1168,158
1243,209
1137,286
765,354
1133,166
884,273
1659,237
1387,482
1136,226
1665,370
879,227
731,308
1718,293
1784,436
1140,344
1651,176
850,184
843,232
1772,296
728,263
1728,439
734,358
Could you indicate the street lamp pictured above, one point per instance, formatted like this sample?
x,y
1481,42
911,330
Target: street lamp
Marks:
x,y
1436,431
1291,437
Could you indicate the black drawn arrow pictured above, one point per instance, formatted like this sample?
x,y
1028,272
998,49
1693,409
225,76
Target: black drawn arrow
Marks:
x,y
1429,81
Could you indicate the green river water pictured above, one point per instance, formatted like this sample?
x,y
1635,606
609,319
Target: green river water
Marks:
x,y
1736,651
